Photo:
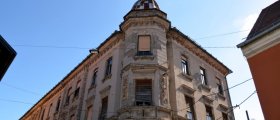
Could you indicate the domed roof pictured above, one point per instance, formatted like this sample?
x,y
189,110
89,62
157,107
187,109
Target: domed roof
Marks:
x,y
145,4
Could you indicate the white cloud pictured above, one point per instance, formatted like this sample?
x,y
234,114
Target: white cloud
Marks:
x,y
246,23
249,21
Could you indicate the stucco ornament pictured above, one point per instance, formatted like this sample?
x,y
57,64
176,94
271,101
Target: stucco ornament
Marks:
x,y
125,88
163,93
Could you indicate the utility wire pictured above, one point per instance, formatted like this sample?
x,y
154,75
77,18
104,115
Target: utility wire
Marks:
x,y
223,34
75,47
237,106
217,93
51,46
20,89
15,101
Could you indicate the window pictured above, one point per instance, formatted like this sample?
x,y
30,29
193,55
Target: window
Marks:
x,y
43,114
89,113
190,108
143,92
93,82
104,108
209,114
57,105
49,112
109,66
220,87
203,76
72,117
185,66
144,45
225,116
77,91
68,96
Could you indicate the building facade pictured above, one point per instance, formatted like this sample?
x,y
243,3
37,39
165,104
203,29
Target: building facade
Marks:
x,y
7,55
262,49
146,70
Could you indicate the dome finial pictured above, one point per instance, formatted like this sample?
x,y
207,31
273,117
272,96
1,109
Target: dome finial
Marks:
x,y
145,4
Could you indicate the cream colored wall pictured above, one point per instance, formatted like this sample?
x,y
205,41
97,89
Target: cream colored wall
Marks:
x,y
194,66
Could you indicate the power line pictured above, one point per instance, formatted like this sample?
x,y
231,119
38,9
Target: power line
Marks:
x,y
75,47
20,89
234,107
51,46
219,35
15,101
218,93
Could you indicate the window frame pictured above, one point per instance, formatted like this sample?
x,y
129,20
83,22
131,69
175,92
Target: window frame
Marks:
x,y
150,102
144,53
185,65
68,97
203,76
94,77
58,104
191,107
89,109
225,116
220,86
49,111
209,113
109,66
103,111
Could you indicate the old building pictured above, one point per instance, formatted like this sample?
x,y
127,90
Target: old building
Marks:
x,y
262,50
7,55
146,70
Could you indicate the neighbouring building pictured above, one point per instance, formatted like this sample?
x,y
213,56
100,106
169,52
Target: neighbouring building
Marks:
x,y
146,70
262,50
7,55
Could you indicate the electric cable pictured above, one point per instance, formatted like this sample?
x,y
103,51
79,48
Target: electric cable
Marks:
x,y
237,106
20,89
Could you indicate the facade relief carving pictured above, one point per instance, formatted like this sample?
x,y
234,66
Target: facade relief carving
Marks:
x,y
125,88
164,90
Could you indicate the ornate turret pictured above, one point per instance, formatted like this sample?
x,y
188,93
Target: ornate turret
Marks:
x,y
147,12
145,4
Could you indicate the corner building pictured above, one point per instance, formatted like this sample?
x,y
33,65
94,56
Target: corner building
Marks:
x,y
147,70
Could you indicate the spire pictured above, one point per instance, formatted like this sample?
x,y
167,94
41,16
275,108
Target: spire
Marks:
x,y
145,4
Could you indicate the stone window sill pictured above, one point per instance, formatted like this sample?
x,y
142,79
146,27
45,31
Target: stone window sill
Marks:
x,y
107,77
144,57
206,88
188,77
221,96
92,87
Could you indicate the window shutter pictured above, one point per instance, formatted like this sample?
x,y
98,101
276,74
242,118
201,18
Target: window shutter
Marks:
x,y
144,43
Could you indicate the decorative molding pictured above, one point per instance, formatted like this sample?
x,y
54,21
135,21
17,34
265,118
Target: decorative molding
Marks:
x,y
206,88
223,108
105,92
139,67
187,90
206,100
162,23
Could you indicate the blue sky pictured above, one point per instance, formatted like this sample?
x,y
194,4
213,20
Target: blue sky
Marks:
x,y
85,24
